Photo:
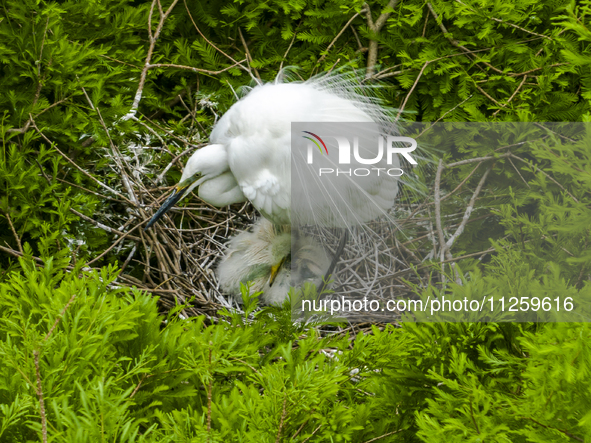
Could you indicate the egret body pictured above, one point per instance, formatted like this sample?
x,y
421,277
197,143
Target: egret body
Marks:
x,y
266,257
249,157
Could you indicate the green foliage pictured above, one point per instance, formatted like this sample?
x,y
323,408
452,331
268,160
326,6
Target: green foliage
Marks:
x,y
111,368
54,54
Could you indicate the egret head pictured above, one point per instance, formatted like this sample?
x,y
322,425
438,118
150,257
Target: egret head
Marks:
x,y
205,164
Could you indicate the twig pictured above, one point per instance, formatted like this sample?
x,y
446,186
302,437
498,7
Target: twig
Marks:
x,y
473,419
498,20
18,240
288,48
192,68
54,146
519,173
313,432
359,45
518,74
443,116
103,227
116,154
300,429
205,38
119,61
536,169
478,60
59,317
169,133
477,160
486,95
248,56
468,211
512,95
426,266
382,436
38,371
138,386
442,247
25,127
568,434
425,25
18,254
463,182
283,415
20,130
153,38
129,257
390,74
333,66
40,396
246,364
172,162
334,40
375,28
389,68
401,110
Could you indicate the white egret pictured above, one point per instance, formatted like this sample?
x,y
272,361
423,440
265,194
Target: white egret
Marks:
x,y
249,157
264,257
254,156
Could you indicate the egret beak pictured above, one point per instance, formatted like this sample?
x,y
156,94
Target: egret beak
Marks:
x,y
178,193
275,270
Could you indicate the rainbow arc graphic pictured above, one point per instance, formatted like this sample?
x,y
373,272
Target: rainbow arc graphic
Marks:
x,y
316,142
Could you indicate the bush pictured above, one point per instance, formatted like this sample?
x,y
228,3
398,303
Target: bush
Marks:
x,y
90,362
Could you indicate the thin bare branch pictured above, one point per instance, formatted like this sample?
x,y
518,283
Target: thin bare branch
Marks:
x,y
39,392
282,421
512,95
153,38
54,146
205,38
401,110
375,28
438,226
498,20
468,211
382,436
548,176
334,40
248,56
288,49
16,237
192,68
59,317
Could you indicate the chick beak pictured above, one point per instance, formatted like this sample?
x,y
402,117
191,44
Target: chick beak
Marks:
x,y
275,270
177,194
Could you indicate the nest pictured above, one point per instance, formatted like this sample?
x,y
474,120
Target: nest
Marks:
x,y
176,258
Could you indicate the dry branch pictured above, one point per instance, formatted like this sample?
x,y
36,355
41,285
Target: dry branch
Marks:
x,y
375,28
334,40
153,38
